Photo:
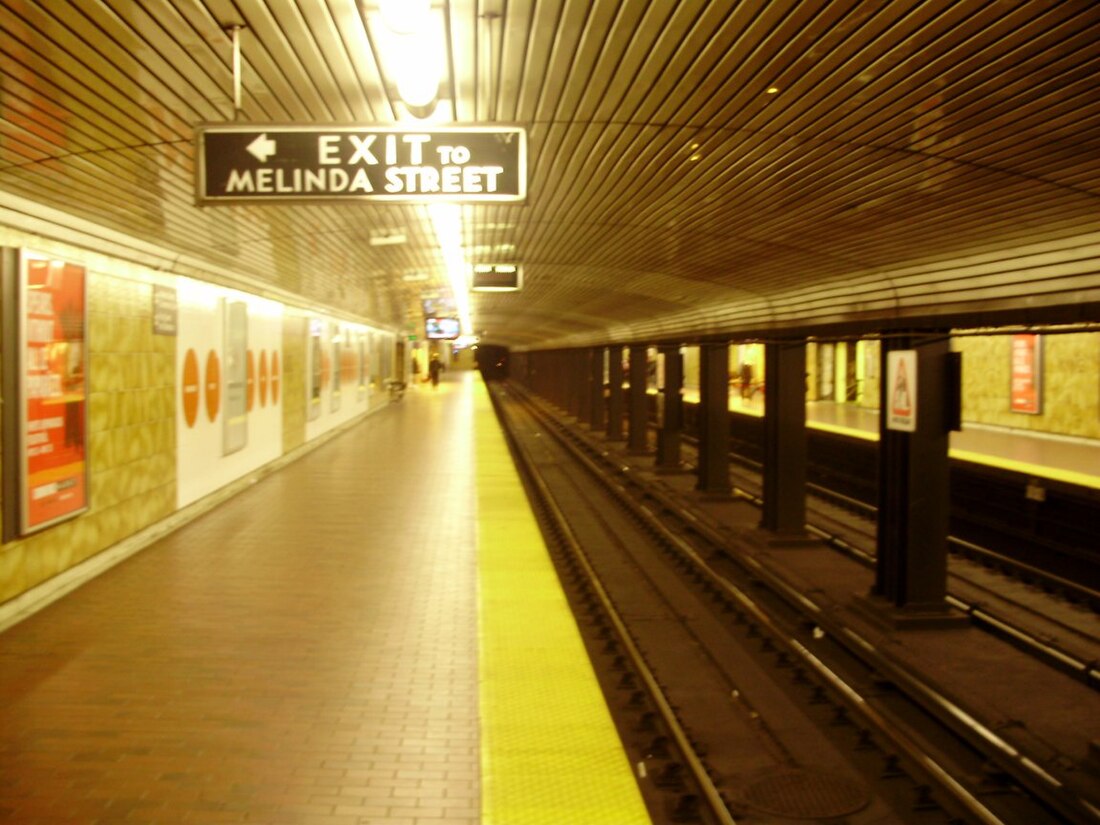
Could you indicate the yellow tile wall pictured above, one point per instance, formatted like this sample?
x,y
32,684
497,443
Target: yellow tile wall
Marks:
x,y
1071,384
131,437
295,340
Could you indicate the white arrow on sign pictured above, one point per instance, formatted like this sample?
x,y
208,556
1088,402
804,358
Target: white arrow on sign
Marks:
x,y
262,148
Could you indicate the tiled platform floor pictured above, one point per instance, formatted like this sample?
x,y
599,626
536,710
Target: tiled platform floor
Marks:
x,y
306,653
309,653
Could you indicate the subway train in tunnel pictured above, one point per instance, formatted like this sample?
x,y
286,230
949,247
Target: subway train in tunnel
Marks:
x,y
492,360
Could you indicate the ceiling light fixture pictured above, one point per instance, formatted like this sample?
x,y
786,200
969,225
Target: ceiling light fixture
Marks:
x,y
411,41
387,239
405,16
447,222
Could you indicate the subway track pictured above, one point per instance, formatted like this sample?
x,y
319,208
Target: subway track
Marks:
x,y
839,516
990,588
764,689
1038,531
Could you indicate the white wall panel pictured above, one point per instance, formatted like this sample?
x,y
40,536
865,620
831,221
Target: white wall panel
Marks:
x,y
342,396
202,463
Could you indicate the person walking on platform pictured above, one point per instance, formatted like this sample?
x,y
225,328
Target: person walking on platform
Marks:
x,y
435,366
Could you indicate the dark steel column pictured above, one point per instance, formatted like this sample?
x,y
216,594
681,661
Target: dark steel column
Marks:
x,y
595,387
639,423
672,410
555,387
548,372
615,393
714,425
584,381
561,380
551,378
576,376
785,438
914,496
518,368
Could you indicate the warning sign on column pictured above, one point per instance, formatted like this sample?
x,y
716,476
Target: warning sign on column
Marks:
x,y
901,390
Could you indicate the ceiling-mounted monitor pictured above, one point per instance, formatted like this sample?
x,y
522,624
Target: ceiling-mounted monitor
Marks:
x,y
442,328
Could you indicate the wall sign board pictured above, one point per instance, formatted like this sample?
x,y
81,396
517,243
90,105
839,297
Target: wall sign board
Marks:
x,y
165,311
258,163
901,390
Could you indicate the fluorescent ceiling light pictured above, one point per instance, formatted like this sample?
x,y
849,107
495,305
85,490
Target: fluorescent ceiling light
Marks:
x,y
387,239
405,16
447,222
410,37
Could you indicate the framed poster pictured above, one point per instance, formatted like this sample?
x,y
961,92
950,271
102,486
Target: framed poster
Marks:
x,y
1026,390
235,336
364,367
45,369
316,371
336,338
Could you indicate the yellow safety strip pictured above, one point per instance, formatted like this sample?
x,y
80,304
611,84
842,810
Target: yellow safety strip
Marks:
x,y
841,430
1038,470
550,754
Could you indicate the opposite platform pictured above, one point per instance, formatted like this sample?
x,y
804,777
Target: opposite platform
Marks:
x,y
309,652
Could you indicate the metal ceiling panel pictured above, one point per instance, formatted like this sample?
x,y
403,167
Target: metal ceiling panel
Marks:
x,y
695,167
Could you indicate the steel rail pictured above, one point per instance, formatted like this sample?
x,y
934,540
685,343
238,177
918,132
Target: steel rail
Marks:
x,y
1022,569
891,729
1087,671
702,778
1026,771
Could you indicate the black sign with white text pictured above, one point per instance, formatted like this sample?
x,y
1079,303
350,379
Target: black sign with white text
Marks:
x,y
275,163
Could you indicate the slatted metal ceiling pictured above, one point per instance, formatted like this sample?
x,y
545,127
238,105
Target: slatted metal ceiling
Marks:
x,y
917,158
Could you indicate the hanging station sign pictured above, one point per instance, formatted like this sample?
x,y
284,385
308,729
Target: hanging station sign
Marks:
x,y
250,163
497,278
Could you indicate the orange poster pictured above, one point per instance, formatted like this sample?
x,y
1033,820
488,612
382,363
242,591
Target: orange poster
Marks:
x,y
1026,392
52,377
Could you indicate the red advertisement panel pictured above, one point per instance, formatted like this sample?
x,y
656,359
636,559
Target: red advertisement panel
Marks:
x,y
52,378
1026,395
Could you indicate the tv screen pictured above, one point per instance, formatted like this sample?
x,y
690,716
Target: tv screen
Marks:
x,y
441,328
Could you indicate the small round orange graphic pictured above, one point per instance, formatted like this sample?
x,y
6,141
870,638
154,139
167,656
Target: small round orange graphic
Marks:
x,y
213,385
250,391
190,388
274,378
347,365
263,378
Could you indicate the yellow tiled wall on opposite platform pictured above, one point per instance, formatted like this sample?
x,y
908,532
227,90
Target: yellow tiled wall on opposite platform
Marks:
x,y
1071,383
131,437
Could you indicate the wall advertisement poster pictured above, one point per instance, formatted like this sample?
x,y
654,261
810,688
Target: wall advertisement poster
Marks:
x,y
1026,391
45,372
